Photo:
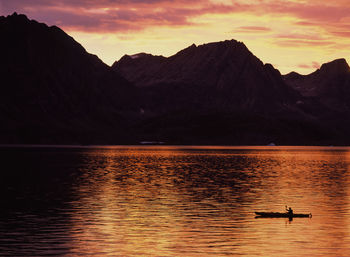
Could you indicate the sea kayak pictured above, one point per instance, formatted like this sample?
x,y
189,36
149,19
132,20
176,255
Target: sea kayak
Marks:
x,y
281,215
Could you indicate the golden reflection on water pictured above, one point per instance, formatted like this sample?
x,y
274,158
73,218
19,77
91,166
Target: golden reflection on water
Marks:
x,y
201,202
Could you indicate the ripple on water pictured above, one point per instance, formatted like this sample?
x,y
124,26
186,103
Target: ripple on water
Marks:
x,y
171,201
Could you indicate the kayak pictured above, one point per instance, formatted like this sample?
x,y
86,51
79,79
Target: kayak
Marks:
x,y
281,215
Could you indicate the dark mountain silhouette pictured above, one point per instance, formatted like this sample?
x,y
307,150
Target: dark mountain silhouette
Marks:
x,y
53,91
330,84
222,75
327,94
220,92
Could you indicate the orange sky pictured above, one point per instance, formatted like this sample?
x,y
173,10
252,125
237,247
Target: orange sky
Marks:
x,y
291,34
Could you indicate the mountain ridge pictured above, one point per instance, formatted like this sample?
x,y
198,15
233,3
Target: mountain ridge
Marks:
x,y
209,81
227,68
53,91
330,84
51,84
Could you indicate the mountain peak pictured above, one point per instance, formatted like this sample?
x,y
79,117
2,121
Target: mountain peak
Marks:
x,y
51,86
139,55
225,43
216,75
221,46
329,84
135,58
293,73
17,17
292,76
338,66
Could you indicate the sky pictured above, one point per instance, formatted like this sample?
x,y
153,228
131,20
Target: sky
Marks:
x,y
292,35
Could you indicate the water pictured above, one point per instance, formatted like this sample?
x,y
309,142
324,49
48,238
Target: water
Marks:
x,y
173,201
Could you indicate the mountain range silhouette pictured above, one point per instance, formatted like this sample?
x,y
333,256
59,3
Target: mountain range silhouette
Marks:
x,y
54,92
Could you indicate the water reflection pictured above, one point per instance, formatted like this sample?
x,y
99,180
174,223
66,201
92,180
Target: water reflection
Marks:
x,y
175,201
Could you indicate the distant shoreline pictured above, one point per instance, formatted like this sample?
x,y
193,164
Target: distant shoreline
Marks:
x,y
253,147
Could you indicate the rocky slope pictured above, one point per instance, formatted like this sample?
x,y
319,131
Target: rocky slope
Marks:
x,y
222,75
330,84
220,92
52,90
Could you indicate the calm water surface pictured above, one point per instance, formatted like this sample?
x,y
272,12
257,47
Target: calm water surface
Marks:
x,y
173,201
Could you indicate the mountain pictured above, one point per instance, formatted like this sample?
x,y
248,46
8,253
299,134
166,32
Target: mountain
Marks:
x,y
53,91
221,75
220,93
330,84
326,92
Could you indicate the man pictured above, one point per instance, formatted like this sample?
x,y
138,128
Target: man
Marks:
x,y
290,211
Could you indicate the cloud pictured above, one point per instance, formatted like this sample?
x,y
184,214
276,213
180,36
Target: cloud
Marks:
x,y
313,65
112,16
252,29
345,34
305,23
302,36
302,43
310,29
311,23
135,15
